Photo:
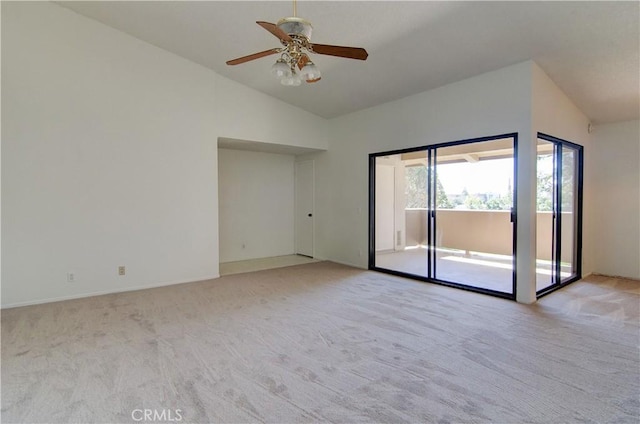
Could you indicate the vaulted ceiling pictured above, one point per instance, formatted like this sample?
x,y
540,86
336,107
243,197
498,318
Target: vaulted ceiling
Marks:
x,y
590,49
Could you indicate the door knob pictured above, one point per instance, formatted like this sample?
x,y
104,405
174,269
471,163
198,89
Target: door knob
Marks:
x,y
310,214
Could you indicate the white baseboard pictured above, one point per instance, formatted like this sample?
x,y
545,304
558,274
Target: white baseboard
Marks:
x,y
103,292
345,263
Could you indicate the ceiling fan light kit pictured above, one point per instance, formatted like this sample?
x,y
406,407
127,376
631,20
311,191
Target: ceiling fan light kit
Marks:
x,y
293,80
310,72
294,64
281,69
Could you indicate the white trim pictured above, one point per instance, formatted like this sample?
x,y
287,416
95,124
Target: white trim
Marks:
x,y
296,209
103,292
345,263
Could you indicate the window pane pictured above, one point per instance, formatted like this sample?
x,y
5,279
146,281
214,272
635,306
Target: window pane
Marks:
x,y
473,229
401,213
545,221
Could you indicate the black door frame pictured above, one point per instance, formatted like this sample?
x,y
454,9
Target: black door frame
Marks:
x,y
431,157
558,145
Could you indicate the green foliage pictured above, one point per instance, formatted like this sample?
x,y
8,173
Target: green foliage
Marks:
x,y
545,184
416,189
416,186
442,201
416,194
474,202
500,203
545,192
568,181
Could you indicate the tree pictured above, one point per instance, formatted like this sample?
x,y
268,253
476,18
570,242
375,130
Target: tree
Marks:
x,y
568,180
546,190
442,200
473,201
495,203
416,186
545,187
416,189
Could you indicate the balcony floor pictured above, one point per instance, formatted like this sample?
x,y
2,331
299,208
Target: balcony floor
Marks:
x,y
476,269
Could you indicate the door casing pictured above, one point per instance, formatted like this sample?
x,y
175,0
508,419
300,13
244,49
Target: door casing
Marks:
x,y
304,207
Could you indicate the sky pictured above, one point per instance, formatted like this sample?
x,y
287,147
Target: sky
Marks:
x,y
489,176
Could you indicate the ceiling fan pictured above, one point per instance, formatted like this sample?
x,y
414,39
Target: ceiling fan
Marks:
x,y
295,35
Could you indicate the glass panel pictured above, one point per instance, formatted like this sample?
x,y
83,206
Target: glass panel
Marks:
x,y
568,209
473,203
545,230
401,213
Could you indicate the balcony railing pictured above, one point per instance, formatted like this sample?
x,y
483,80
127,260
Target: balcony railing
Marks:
x,y
487,231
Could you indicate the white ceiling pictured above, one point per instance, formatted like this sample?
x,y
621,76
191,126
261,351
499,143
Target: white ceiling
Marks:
x,y
590,49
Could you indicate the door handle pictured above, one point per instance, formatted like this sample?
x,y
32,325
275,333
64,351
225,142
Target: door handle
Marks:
x,y
310,214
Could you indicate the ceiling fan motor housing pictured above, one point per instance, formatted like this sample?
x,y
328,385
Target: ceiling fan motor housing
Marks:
x,y
296,26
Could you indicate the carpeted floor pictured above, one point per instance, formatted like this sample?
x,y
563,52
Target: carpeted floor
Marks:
x,y
325,343
260,264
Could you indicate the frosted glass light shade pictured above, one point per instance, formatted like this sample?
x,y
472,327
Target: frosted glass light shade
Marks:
x,y
281,69
291,81
310,72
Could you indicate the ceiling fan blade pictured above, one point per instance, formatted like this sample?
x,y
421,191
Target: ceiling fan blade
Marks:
x,y
273,29
252,57
340,51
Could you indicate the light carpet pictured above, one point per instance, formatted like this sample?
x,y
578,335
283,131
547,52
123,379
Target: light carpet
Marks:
x,y
260,264
325,343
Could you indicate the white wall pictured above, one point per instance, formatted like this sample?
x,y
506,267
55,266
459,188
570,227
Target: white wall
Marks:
x,y
385,207
554,114
256,194
109,157
390,196
615,164
494,103
108,146
246,114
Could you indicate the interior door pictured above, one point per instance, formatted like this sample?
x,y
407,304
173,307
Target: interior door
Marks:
x,y
304,183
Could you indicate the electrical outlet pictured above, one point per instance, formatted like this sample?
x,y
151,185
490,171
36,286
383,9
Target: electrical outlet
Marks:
x,y
71,277
121,270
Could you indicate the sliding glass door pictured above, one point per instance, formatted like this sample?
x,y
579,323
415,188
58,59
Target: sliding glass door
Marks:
x,y
570,192
545,215
559,216
444,213
473,202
